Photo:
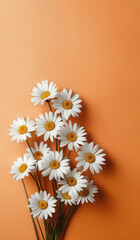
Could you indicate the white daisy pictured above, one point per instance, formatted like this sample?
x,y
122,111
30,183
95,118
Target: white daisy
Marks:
x,y
66,104
22,167
66,198
73,136
87,194
38,151
49,125
54,165
72,183
44,91
91,157
21,129
42,205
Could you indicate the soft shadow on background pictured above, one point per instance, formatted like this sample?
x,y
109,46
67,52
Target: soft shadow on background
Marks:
x,y
93,48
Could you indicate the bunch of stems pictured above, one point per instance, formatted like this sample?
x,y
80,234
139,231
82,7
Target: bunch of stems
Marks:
x,y
52,229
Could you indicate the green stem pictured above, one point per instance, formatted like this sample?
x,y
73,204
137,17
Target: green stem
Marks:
x,y
36,179
37,182
29,146
39,179
48,101
68,215
55,185
32,176
30,211
40,229
56,226
25,189
47,227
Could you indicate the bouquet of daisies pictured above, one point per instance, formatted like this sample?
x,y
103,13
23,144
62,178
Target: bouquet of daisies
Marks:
x,y
49,160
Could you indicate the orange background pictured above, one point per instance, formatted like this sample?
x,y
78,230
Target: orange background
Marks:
x,y
91,47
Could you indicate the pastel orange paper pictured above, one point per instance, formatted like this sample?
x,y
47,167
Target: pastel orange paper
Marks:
x,y
91,47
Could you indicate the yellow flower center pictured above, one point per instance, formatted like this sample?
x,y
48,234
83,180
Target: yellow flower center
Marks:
x,y
38,155
72,136
66,196
22,167
45,95
49,126
43,204
84,192
22,129
71,181
67,104
55,164
90,157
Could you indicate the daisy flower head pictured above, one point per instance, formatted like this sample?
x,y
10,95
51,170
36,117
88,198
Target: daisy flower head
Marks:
x,y
73,182
40,150
66,198
87,194
42,205
73,136
21,129
66,104
91,157
44,91
22,167
54,165
49,125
